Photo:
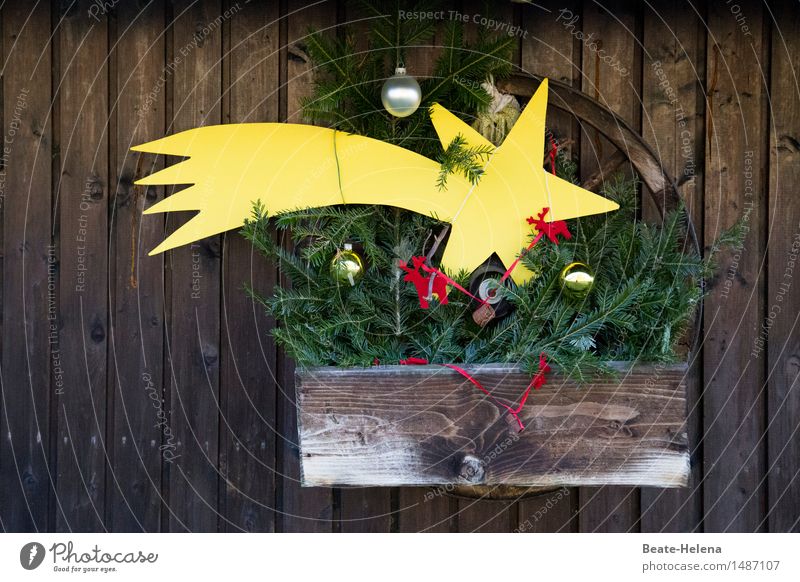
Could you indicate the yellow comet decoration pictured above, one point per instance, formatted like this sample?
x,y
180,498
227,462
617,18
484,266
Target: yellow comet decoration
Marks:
x,y
290,166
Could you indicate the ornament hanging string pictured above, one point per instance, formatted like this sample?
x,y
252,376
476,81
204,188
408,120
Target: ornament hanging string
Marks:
x,y
536,382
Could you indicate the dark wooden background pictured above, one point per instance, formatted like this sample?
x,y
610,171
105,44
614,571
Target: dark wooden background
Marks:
x,y
92,328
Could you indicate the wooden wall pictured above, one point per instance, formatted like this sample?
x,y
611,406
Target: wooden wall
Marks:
x,y
145,393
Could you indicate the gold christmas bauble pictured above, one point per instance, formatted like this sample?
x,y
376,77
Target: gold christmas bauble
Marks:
x,y
347,267
577,280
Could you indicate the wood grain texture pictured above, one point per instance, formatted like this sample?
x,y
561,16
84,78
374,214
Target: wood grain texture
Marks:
x,y
82,199
194,319
137,299
365,510
370,509
610,69
426,509
550,51
299,510
395,425
71,137
30,272
733,404
484,516
672,124
783,297
554,511
248,371
611,74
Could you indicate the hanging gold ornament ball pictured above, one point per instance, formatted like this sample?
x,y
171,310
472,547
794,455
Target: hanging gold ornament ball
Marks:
x,y
577,280
347,267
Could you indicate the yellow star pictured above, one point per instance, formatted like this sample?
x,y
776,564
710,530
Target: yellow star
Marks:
x,y
289,166
514,186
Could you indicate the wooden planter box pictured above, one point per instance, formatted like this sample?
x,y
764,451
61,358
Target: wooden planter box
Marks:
x,y
427,425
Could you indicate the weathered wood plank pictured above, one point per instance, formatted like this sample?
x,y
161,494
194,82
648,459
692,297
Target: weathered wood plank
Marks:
x,y
674,41
610,68
247,383
783,297
425,510
733,404
302,18
362,427
551,51
365,510
484,516
30,270
194,327
5,523
611,74
137,351
82,199
553,511
299,509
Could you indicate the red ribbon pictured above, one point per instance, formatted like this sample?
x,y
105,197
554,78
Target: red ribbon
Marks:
x,y
414,362
552,229
437,273
536,382
519,258
553,152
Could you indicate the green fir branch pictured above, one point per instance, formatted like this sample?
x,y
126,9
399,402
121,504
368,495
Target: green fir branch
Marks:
x,y
459,158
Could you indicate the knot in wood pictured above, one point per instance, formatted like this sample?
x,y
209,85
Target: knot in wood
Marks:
x,y
472,469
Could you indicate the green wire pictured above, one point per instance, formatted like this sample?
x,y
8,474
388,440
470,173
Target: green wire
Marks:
x,y
338,169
